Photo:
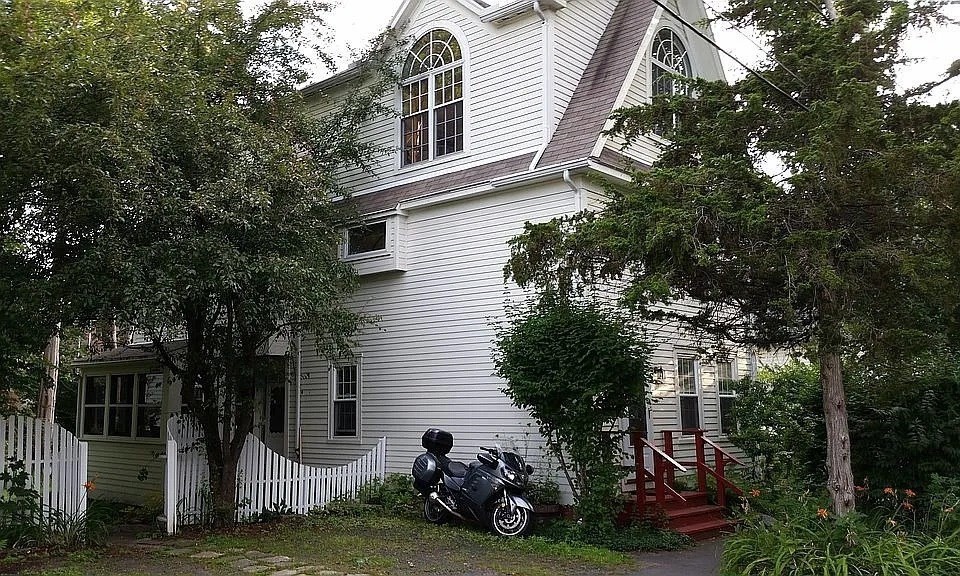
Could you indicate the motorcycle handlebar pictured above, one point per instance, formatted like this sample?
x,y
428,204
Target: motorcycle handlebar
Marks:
x,y
490,450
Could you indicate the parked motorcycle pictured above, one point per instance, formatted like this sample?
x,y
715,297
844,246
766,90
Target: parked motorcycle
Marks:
x,y
488,491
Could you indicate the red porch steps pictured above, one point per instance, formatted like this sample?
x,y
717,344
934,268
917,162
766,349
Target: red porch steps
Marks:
x,y
696,517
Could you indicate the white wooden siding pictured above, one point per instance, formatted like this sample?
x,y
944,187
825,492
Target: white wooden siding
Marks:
x,y
503,107
428,362
115,465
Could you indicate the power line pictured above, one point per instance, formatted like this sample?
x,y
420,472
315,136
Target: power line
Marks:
x,y
719,16
713,43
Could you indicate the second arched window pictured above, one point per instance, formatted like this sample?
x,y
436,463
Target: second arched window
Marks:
x,y
432,98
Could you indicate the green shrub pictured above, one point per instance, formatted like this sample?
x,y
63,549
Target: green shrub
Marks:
x,y
544,491
904,424
395,494
826,547
576,365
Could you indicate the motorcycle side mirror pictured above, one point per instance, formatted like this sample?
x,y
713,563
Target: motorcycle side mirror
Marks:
x,y
529,469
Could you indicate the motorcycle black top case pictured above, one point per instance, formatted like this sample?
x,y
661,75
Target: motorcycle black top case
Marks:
x,y
437,441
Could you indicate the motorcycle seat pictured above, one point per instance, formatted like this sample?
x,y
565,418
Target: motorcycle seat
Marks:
x,y
455,469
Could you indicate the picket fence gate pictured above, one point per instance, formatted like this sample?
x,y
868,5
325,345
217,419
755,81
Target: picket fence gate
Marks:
x,y
53,458
265,479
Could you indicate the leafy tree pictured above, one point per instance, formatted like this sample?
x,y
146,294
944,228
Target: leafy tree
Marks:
x,y
577,366
170,176
847,248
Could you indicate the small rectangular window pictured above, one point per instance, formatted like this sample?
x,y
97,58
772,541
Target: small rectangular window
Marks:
x,y
120,419
346,400
367,238
123,405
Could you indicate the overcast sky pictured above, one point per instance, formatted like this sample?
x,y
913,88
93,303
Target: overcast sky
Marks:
x,y
354,22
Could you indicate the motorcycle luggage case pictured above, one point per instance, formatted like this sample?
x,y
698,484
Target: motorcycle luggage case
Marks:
x,y
437,441
426,472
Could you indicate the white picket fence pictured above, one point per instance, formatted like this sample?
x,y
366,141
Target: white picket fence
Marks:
x,y
54,459
265,480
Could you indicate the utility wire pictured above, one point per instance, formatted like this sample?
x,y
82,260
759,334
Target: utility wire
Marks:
x,y
713,43
732,25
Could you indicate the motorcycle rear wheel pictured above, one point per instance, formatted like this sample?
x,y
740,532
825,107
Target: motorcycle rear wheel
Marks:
x,y
511,523
432,512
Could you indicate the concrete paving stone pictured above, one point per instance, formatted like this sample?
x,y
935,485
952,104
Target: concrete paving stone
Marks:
x,y
287,572
327,573
256,569
255,554
276,560
242,563
179,551
206,555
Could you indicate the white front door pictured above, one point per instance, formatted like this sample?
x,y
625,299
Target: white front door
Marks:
x,y
638,420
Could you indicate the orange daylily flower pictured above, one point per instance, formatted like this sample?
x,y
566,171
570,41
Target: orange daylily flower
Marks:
x,y
910,493
822,512
755,493
907,505
889,490
89,485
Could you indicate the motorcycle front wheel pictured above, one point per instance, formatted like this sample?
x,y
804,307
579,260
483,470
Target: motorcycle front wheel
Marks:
x,y
507,522
432,512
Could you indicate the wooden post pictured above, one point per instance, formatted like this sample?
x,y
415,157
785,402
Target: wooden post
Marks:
x,y
721,479
658,471
701,462
668,450
640,471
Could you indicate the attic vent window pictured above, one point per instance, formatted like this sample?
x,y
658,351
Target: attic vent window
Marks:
x,y
432,98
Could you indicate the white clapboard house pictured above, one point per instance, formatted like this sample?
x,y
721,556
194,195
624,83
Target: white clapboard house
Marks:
x,y
501,114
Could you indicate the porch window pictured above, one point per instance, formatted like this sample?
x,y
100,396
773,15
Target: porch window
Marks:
x,y
123,405
688,390
728,396
431,115
346,400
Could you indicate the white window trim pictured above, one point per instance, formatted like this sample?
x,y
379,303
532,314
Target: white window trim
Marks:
x,y
694,73
457,33
698,381
388,248
733,375
331,396
133,438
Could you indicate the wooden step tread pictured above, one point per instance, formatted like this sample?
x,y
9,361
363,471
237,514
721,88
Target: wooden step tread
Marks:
x,y
703,509
706,528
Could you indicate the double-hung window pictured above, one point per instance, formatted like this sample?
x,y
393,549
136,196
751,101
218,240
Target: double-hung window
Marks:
x,y
345,400
727,396
432,115
123,405
688,389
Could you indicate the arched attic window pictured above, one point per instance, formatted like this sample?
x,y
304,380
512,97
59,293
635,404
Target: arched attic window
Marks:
x,y
668,58
432,98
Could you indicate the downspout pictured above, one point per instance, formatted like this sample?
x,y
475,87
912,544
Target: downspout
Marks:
x,y
548,107
297,372
577,193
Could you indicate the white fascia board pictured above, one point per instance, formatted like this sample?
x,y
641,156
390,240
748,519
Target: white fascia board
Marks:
x,y
509,11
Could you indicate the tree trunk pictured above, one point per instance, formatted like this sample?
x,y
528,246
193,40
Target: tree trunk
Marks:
x,y
224,490
48,388
840,482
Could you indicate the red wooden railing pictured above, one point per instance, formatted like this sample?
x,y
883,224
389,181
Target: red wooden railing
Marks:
x,y
665,467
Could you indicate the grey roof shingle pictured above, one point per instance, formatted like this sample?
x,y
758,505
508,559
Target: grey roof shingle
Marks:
x,y
595,95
